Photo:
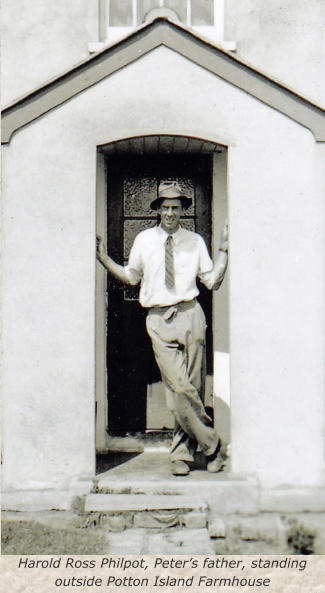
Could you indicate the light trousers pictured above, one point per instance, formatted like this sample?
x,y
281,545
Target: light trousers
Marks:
x,y
178,339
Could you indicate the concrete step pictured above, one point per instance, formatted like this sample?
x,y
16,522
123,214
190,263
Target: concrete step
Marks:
x,y
142,502
148,474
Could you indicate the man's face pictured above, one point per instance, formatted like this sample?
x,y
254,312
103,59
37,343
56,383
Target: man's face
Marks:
x,y
170,212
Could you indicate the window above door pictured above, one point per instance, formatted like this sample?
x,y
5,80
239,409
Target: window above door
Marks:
x,y
117,18
126,13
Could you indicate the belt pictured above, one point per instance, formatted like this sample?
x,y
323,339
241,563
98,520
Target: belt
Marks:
x,y
170,311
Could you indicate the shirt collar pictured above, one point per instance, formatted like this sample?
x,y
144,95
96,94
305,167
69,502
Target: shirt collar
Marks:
x,y
176,236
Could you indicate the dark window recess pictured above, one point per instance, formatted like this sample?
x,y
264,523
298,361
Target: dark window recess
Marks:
x,y
202,12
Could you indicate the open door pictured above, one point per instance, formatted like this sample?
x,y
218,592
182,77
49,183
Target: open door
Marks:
x,y
135,396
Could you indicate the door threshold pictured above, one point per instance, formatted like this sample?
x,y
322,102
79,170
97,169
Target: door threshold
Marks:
x,y
149,474
139,441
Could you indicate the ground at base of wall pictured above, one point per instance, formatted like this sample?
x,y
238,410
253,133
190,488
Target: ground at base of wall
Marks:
x,y
62,532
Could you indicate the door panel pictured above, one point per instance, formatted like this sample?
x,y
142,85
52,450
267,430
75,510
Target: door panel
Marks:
x,y
135,401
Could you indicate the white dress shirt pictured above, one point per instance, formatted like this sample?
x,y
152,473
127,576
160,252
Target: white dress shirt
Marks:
x,y
191,259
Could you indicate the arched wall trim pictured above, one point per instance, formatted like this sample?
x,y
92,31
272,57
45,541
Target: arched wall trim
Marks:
x,y
178,38
161,144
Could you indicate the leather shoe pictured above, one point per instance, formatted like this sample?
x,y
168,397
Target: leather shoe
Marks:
x,y
217,460
180,468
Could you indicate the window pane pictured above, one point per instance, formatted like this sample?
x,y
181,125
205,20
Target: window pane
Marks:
x,y
202,12
144,6
120,13
179,6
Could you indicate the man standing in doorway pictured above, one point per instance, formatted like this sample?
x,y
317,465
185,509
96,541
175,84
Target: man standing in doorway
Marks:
x,y
167,259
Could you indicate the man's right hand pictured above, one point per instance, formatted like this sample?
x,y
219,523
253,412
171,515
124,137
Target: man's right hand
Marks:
x,y
111,266
100,245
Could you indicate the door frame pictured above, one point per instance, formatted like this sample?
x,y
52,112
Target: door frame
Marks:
x,y
219,208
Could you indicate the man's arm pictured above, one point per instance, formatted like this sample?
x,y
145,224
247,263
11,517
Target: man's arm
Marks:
x,y
214,278
115,269
221,262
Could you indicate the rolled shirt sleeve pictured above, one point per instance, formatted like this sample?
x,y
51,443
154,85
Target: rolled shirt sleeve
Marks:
x,y
211,275
134,269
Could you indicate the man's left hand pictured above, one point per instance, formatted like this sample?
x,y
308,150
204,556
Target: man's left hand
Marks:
x,y
224,237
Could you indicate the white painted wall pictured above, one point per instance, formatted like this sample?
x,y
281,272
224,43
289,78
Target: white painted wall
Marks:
x,y
277,312
284,38
41,39
276,188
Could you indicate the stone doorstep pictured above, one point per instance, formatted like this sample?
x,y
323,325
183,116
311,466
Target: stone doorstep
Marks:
x,y
148,474
141,502
222,496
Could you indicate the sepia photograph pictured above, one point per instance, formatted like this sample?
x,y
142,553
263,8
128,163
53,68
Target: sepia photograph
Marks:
x,y
163,284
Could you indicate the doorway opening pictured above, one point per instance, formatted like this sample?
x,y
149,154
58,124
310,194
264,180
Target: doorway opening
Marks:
x,y
131,410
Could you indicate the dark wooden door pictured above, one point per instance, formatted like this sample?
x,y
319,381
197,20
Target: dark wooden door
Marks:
x,y
132,183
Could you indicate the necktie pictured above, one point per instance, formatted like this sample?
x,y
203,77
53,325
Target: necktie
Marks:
x,y
169,263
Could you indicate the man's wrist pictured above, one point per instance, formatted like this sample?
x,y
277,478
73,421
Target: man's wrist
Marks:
x,y
102,258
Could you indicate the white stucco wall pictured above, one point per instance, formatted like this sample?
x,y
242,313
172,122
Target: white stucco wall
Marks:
x,y
41,39
276,213
277,312
284,38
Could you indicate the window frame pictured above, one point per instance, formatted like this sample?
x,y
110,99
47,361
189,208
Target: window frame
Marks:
x,y
113,32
